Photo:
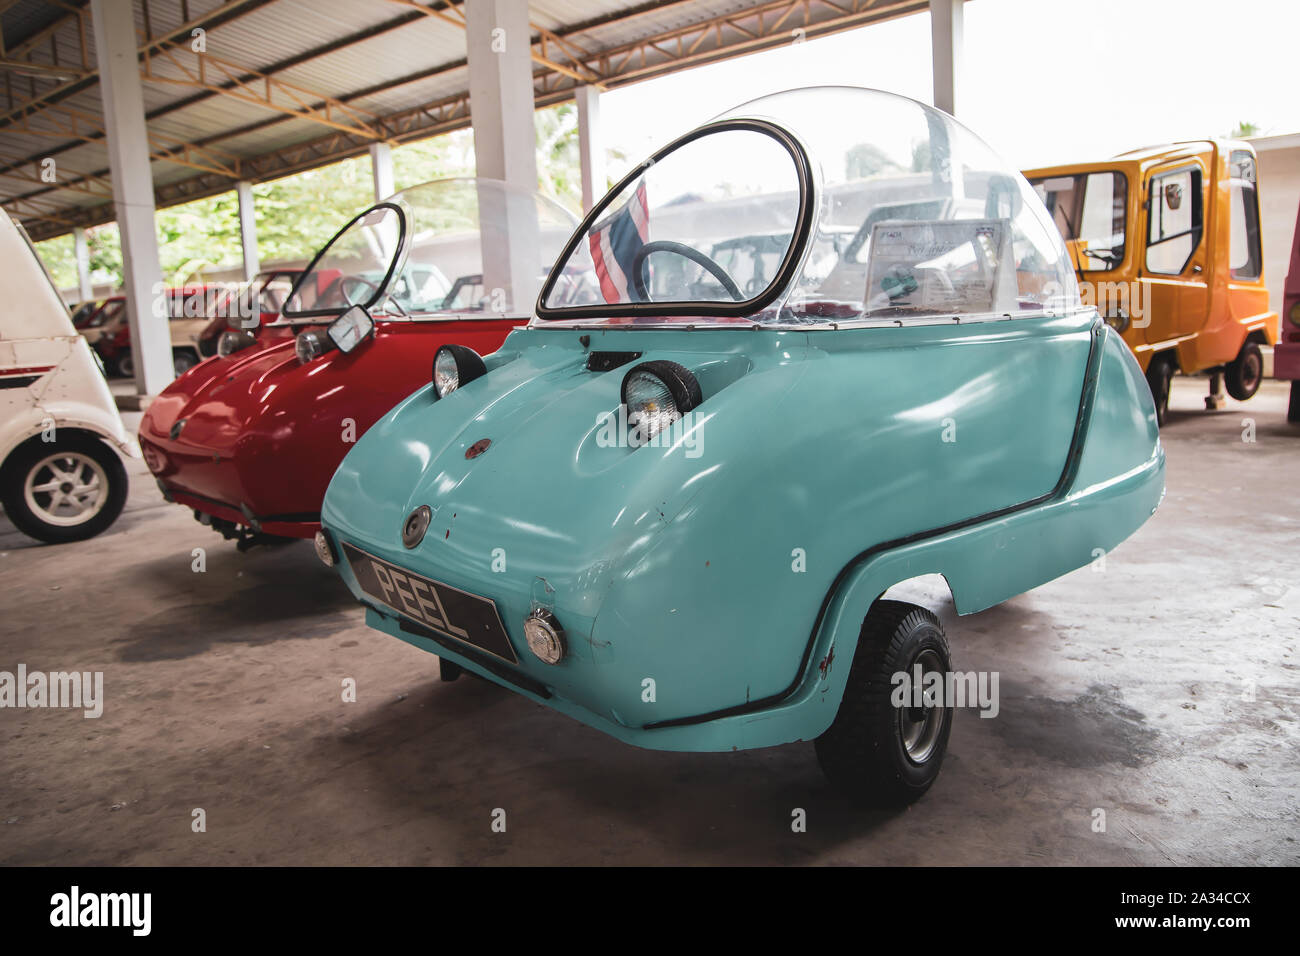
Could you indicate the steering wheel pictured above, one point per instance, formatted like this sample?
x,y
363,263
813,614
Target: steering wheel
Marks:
x,y
341,286
686,252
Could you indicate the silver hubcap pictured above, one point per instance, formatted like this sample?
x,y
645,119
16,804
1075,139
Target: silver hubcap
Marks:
x,y
66,489
919,727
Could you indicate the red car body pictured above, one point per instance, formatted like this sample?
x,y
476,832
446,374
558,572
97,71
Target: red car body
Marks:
x,y
262,433
249,440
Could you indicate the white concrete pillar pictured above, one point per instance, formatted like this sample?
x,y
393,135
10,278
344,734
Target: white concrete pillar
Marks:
x,y
381,169
81,251
591,146
128,160
248,230
946,29
499,41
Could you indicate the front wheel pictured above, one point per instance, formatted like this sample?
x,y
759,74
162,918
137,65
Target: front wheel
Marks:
x,y
889,737
124,364
67,490
182,361
1243,374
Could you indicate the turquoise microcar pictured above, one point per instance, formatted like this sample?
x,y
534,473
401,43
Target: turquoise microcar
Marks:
x,y
675,504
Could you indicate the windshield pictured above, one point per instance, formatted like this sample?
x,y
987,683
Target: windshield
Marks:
x,y
674,235
454,248
1089,208
904,216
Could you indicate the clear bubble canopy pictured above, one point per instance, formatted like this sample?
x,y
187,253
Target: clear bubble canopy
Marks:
x,y
815,206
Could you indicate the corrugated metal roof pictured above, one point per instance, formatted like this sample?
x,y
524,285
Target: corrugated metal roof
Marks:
x,y
383,66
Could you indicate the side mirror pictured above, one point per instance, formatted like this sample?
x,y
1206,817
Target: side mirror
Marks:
x,y
351,328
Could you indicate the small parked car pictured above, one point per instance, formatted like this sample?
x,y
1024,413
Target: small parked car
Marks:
x,y
1167,241
188,314
251,307
248,440
61,478
679,512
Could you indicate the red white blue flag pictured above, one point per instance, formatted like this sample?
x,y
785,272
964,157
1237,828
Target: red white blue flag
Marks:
x,y
615,244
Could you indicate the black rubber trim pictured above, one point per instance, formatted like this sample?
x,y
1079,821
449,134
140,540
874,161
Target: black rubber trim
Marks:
x,y
608,361
1063,485
398,256
292,517
793,256
490,664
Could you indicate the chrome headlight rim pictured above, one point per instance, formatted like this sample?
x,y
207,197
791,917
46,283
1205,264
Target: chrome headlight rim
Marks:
x,y
234,340
544,636
324,548
677,381
453,367
311,344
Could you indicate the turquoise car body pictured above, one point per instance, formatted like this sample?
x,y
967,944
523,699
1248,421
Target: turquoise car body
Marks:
x,y
826,444
712,586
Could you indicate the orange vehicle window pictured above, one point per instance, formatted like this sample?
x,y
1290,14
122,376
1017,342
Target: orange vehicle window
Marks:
x,y
1090,208
1174,220
1245,257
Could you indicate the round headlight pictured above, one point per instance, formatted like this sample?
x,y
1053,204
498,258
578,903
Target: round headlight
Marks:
x,y
310,345
657,394
323,549
1295,313
1119,321
454,366
232,340
545,636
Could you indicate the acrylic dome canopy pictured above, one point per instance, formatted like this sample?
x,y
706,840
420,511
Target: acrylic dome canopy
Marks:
x,y
444,249
812,206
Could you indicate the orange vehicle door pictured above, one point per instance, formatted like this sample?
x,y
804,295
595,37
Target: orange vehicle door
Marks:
x,y
1174,287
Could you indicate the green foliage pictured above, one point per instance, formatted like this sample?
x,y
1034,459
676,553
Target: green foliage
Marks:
x,y
298,214
1244,129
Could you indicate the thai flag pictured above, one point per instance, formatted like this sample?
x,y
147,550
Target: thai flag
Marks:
x,y
615,244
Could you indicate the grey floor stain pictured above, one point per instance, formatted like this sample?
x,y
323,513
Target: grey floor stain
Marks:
x,y
1095,728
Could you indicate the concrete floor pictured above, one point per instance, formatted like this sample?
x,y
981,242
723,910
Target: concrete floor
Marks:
x,y
1121,690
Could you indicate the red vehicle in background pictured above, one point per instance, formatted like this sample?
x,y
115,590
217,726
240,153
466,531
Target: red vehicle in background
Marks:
x,y
249,440
1286,354
188,310
252,308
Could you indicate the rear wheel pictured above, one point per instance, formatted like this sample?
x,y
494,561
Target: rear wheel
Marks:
x,y
1243,374
887,747
1159,375
66,490
1293,409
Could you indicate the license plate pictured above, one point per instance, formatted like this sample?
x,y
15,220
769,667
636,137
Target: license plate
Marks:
x,y
449,611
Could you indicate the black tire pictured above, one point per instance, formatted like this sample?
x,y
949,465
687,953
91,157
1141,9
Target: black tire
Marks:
x,y
1293,408
865,752
31,459
124,365
1243,374
182,361
1159,374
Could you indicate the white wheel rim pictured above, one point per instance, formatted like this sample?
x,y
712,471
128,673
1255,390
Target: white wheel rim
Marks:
x,y
66,489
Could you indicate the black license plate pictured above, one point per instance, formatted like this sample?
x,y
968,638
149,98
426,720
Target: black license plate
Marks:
x,y
449,611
